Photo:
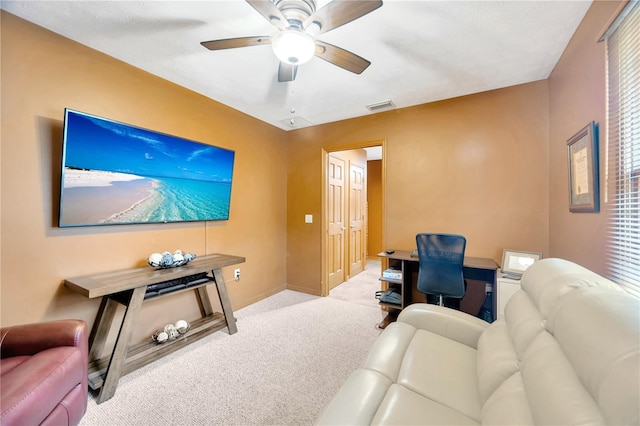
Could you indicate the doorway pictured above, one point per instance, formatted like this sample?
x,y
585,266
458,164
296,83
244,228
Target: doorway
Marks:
x,y
345,221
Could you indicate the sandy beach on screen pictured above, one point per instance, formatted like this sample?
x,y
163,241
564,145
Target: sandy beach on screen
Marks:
x,y
74,178
92,197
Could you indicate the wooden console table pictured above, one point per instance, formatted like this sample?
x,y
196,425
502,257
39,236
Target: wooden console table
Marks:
x,y
130,287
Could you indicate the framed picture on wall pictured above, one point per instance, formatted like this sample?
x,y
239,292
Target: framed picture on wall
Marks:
x,y
584,181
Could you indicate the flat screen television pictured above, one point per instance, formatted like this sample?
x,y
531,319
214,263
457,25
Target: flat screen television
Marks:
x,y
115,173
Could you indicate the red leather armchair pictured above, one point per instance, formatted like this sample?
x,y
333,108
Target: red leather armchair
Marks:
x,y
43,373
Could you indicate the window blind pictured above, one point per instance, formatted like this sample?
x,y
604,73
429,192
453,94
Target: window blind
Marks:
x,y
623,149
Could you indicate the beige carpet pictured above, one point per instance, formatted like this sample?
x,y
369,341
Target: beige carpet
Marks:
x,y
290,355
361,288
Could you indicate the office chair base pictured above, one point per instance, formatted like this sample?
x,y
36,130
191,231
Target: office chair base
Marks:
x,y
447,302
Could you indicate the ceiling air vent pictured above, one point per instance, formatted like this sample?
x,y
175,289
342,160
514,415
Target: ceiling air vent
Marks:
x,y
380,105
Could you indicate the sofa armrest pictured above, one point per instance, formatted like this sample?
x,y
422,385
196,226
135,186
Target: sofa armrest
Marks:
x,y
455,325
29,339
357,401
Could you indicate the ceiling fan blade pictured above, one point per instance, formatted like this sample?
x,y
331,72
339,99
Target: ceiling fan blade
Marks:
x,y
232,43
270,12
287,72
337,13
340,57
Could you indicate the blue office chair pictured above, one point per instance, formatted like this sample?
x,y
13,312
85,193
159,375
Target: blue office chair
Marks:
x,y
441,258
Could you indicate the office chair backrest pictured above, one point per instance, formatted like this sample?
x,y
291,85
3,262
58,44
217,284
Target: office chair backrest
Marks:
x,y
441,259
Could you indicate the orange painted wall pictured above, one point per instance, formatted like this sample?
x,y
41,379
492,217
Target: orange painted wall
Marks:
x,y
577,96
475,165
374,208
42,73
491,166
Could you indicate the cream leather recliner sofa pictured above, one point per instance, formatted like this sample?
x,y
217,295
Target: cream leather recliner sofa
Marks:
x,y
567,352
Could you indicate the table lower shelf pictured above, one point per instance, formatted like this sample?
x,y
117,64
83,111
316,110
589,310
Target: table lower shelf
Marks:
x,y
146,352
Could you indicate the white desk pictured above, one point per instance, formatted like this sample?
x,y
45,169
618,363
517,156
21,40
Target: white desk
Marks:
x,y
506,287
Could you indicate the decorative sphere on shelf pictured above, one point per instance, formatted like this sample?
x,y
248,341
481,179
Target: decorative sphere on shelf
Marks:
x,y
167,259
178,258
171,331
155,259
160,336
182,326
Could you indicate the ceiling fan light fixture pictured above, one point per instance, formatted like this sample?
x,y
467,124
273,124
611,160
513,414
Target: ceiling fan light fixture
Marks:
x,y
293,46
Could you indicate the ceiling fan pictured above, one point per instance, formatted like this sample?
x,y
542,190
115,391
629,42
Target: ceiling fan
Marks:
x,y
298,24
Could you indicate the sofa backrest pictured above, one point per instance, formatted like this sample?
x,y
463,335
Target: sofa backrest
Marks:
x,y
546,281
599,333
566,352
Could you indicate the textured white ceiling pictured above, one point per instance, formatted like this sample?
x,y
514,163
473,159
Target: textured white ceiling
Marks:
x,y
421,51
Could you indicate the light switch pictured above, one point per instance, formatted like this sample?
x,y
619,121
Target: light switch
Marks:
x,y
308,218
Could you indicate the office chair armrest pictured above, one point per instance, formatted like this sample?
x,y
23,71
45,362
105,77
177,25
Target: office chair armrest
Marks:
x,y
455,325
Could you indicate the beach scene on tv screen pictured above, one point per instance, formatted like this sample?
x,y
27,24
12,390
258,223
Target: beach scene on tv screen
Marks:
x,y
116,174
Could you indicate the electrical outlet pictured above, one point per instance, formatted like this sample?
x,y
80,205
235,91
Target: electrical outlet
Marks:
x,y
236,274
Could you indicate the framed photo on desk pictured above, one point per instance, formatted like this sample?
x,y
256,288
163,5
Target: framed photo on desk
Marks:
x,y
515,262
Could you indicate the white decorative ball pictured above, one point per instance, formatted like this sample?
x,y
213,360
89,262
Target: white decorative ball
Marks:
x,y
178,257
155,259
182,326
